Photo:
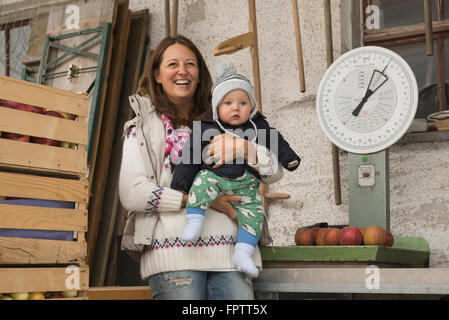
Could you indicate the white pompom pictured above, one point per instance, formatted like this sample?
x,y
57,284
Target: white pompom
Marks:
x,y
224,68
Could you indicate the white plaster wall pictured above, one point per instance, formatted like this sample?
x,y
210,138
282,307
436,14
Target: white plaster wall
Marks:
x,y
419,172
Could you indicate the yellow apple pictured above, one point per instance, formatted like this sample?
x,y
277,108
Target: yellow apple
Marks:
x,y
36,296
20,295
70,293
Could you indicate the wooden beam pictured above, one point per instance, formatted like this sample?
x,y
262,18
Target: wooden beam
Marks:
x,y
119,293
354,280
134,54
416,30
114,83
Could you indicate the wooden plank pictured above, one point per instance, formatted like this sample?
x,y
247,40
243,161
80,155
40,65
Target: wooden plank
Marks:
x,y
415,30
99,175
120,293
40,218
36,187
40,279
43,96
27,155
354,280
103,262
44,126
41,251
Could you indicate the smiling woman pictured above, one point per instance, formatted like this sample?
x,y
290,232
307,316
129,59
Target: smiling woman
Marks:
x,y
174,90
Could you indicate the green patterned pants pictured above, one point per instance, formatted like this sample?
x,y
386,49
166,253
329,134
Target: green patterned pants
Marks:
x,y
207,186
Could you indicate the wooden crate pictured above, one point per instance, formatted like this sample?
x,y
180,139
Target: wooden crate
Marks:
x,y
40,265
39,157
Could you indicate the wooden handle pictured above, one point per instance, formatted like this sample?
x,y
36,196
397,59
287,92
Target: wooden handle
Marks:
x,y
302,85
234,44
428,25
227,50
167,18
277,196
174,29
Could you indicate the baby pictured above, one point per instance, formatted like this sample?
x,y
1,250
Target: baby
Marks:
x,y
235,112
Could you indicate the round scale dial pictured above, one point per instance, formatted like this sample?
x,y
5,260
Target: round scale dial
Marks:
x,y
367,99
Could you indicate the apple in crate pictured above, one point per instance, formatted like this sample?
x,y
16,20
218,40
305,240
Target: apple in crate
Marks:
x,y
350,236
70,293
67,145
17,137
48,142
22,106
36,296
59,114
20,295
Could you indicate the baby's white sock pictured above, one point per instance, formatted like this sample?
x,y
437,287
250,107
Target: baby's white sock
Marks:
x,y
193,227
243,259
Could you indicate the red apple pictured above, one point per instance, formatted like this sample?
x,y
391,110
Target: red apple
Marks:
x,y
37,109
315,231
350,236
22,106
304,237
389,239
48,142
17,137
374,235
319,240
331,237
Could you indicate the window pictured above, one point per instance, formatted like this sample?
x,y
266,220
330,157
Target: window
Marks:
x,y
14,38
400,27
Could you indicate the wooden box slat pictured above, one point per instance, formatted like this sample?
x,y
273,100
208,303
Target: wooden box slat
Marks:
x,y
43,126
29,217
39,279
41,251
38,187
42,218
24,155
43,96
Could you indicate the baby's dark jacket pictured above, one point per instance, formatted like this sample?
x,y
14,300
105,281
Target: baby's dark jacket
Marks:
x,y
186,170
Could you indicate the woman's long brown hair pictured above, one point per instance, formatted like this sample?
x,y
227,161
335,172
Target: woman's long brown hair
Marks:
x,y
163,105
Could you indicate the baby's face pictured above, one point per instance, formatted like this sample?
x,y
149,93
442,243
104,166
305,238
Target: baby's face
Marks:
x,y
235,108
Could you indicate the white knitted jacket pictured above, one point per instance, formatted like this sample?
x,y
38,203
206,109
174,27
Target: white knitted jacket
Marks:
x,y
157,218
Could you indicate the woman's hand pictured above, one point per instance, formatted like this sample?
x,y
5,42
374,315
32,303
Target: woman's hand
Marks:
x,y
223,204
185,196
225,148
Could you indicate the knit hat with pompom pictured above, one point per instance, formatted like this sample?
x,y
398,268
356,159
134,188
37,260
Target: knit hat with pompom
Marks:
x,y
227,80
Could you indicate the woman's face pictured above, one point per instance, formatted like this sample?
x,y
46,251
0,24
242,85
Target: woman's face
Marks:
x,y
178,74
